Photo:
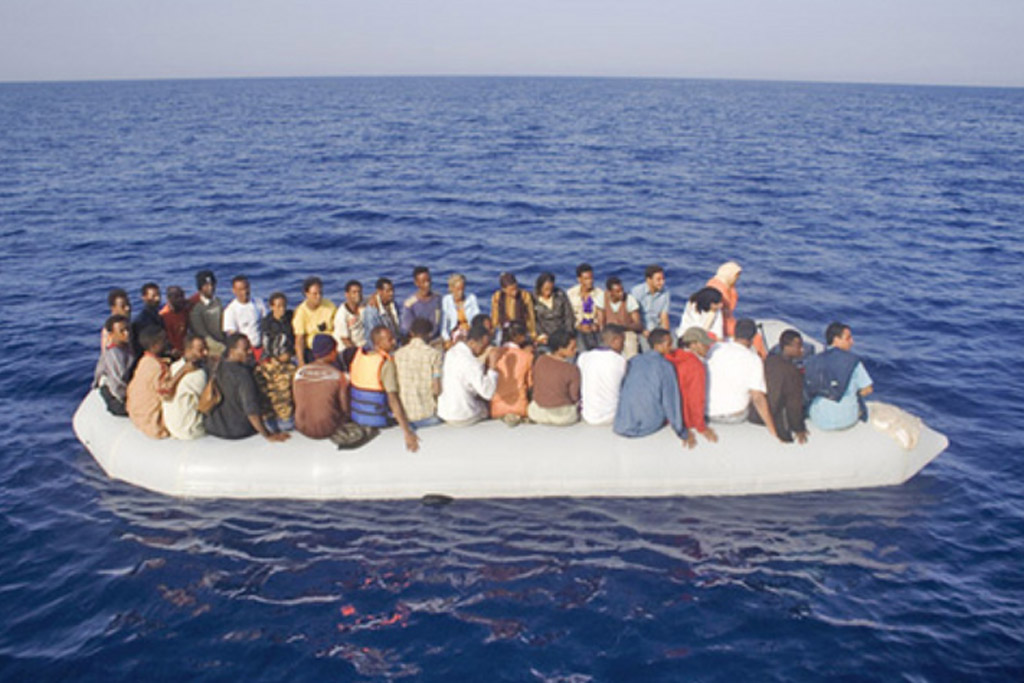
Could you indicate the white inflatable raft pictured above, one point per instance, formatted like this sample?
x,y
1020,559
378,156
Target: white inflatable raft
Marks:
x,y
491,460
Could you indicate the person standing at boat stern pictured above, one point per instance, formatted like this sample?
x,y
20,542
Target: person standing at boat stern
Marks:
x,y
556,382
374,394
650,392
837,382
654,301
736,379
238,414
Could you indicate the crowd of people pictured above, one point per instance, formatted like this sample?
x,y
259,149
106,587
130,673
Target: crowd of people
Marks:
x,y
194,367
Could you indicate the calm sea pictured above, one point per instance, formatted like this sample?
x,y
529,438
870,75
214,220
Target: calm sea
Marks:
x,y
895,209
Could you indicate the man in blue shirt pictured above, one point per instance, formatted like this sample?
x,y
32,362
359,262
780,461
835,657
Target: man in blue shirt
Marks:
x,y
650,392
827,413
654,302
425,303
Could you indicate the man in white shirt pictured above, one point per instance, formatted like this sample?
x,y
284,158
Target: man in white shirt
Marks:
x,y
602,371
181,411
349,331
587,307
467,384
736,379
244,314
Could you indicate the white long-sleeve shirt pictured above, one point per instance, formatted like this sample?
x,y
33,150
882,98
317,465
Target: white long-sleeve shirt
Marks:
x,y
466,386
245,318
710,321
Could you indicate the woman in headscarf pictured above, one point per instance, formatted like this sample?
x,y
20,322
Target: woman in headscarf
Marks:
x,y
703,310
725,282
511,303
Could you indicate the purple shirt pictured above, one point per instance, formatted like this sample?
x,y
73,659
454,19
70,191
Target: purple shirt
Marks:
x,y
430,308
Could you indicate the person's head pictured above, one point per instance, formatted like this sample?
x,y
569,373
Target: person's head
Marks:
x,y
313,288
176,298
839,335
206,283
457,286
614,290
118,329
745,331
545,286
383,339
354,293
585,276
117,300
278,304
238,347
515,332
478,339
385,291
241,289
792,344
707,299
195,348
421,278
482,320
696,339
325,348
729,273
614,337
150,294
153,339
660,340
421,328
562,343
654,275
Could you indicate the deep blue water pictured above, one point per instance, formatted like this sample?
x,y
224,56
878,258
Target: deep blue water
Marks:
x,y
895,209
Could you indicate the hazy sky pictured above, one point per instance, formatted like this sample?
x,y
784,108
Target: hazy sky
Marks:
x,y
976,42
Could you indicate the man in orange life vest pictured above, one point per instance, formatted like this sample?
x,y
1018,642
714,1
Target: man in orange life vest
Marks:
x,y
374,387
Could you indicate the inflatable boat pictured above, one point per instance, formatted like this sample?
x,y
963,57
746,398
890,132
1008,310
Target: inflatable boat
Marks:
x,y
492,460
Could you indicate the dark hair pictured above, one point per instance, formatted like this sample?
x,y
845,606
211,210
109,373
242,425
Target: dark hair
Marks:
x,y
174,288
788,337
705,298
745,329
191,337
202,276
353,283
381,281
421,327
234,339
612,281
652,270
477,333
239,278
277,295
560,339
115,294
507,279
479,320
150,335
309,282
514,329
148,286
543,279
419,270
376,332
658,336
113,320
611,332
583,268
834,330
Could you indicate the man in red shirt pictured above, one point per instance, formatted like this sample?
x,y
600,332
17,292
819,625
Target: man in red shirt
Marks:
x,y
175,317
692,375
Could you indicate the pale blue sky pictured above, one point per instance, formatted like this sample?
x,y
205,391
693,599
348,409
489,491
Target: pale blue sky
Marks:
x,y
889,41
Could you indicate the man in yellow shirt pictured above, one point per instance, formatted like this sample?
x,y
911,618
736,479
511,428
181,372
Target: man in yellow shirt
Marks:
x,y
313,316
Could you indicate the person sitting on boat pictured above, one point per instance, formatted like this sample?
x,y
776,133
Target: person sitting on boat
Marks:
x,y
276,372
556,382
374,388
425,303
552,309
206,315
511,303
238,414
725,280
322,401
587,307
148,315
457,310
315,315
380,309
836,382
467,384
175,317
785,383
691,374
245,313
181,409
514,362
601,373
111,375
419,376
276,331
654,300
622,309
349,330
736,379
650,392
704,310
152,384
119,304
